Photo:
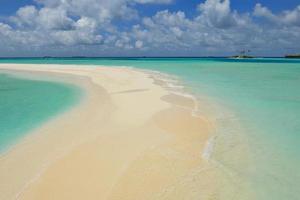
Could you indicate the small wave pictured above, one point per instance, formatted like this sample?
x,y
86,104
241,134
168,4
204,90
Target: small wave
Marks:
x,y
175,86
208,149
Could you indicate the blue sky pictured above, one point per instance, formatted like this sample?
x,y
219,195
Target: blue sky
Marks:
x,y
148,27
11,6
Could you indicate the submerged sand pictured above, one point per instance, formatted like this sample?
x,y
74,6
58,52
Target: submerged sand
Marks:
x,y
129,138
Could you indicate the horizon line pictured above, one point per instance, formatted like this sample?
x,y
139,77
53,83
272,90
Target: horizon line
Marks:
x,y
45,57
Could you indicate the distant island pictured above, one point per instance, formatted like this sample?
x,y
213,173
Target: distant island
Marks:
x,y
293,56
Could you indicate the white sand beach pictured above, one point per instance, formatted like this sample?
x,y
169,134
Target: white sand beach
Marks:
x,y
128,139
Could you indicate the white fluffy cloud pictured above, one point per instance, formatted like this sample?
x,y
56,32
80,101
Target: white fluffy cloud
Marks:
x,y
139,44
102,10
73,25
25,16
216,29
288,17
218,13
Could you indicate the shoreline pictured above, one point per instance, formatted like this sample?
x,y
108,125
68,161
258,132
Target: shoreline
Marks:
x,y
133,114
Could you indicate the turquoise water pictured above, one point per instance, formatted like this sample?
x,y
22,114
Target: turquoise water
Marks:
x,y
24,104
256,104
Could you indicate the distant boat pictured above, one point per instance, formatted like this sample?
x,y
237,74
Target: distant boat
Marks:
x,y
293,56
241,57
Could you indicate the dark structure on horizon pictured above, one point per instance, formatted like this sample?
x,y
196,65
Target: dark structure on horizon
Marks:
x,y
293,56
242,54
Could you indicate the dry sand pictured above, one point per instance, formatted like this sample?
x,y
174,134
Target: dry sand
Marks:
x,y
128,139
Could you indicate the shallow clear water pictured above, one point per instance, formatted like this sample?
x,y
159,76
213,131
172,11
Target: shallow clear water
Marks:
x,y
256,104
24,104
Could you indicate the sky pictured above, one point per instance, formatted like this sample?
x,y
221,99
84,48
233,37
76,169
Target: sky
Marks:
x,y
148,27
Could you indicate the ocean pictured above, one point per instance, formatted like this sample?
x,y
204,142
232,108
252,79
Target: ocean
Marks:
x,y
25,104
255,104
